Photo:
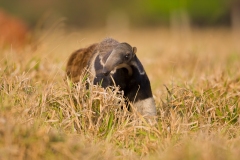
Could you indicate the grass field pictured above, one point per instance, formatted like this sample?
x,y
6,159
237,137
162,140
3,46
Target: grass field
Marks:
x,y
195,79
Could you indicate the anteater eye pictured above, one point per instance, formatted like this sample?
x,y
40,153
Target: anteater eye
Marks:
x,y
126,56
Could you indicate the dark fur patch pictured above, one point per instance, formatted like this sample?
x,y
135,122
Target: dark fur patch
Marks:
x,y
138,87
100,79
105,57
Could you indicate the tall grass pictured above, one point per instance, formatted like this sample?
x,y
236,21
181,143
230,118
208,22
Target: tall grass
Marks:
x,y
196,86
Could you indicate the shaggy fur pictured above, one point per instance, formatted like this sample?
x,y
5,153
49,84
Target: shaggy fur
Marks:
x,y
78,61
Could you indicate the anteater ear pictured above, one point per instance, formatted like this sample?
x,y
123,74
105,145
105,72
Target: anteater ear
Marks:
x,y
134,50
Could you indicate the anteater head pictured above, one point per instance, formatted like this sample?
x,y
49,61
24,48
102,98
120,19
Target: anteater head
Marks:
x,y
120,56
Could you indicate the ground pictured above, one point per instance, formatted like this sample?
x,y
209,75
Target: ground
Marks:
x,y
195,80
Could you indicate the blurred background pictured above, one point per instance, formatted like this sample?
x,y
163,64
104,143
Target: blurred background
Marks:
x,y
134,13
17,17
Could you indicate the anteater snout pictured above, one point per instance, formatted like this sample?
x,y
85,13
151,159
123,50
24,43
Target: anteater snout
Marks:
x,y
106,72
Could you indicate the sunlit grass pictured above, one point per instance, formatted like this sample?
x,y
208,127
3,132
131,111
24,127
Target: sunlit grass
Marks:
x,y
196,86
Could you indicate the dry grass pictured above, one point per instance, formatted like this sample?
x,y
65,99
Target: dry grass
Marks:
x,y
196,85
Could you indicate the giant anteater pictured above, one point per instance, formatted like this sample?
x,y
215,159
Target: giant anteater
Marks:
x,y
113,63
